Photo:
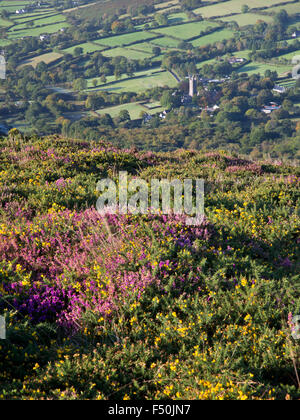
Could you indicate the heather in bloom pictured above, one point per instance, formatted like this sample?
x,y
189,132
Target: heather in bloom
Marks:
x,y
146,306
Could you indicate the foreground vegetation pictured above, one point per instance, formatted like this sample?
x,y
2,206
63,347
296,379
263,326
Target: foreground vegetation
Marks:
x,y
129,307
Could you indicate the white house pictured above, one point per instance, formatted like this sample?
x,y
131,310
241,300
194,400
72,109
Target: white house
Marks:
x,y
44,37
279,89
235,60
296,34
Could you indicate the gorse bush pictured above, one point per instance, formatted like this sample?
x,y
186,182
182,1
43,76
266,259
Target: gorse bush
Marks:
x,y
144,306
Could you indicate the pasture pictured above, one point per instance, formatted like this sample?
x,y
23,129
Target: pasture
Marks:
x,y
145,47
216,36
111,79
245,19
167,4
135,110
177,18
126,39
261,68
187,30
166,42
232,6
88,47
43,19
12,6
5,23
126,52
242,54
140,82
46,58
47,29
289,56
291,8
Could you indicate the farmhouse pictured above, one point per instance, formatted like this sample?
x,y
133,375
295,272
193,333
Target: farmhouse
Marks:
x,y
44,37
296,34
211,109
279,89
236,60
268,109
163,114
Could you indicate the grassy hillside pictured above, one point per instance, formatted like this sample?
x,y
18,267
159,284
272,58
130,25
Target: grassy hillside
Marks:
x,y
145,306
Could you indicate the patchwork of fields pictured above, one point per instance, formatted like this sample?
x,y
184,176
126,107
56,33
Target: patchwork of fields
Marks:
x,y
139,44
233,6
43,19
291,8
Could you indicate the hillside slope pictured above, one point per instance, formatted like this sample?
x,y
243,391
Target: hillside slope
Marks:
x,y
145,306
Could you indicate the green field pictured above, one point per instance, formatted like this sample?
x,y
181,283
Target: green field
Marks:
x,y
46,58
126,52
4,42
111,79
290,8
166,42
233,6
135,109
290,55
12,6
41,21
187,30
177,18
141,82
145,47
212,38
288,83
242,54
5,23
126,39
88,47
48,29
259,68
247,19
203,63
33,16
167,4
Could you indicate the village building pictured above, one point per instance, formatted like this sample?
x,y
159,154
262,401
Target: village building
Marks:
x,y
279,89
236,60
296,34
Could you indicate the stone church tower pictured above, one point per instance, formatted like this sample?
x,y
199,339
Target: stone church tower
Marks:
x,y
192,86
